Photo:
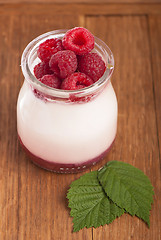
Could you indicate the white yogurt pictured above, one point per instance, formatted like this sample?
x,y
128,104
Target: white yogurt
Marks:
x,y
67,133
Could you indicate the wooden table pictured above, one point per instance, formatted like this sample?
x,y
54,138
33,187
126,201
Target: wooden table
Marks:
x,y
33,202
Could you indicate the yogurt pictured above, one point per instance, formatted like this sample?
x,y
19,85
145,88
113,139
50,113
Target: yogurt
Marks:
x,y
62,135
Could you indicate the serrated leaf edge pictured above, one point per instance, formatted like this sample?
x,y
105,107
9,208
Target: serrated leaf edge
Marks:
x,y
152,190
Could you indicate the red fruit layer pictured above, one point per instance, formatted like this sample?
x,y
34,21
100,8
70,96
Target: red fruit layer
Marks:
x,y
64,168
79,40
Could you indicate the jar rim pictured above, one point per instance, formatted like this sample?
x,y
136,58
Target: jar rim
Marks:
x,y
60,93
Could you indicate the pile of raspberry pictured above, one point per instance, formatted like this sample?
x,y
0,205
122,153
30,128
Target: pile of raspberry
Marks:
x,y
69,63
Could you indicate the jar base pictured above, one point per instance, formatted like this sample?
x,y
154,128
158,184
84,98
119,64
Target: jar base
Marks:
x,y
64,168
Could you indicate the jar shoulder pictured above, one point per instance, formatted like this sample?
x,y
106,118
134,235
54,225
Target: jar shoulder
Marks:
x,y
106,101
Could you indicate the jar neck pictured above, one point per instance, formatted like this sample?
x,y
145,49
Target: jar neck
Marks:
x,y
30,59
74,97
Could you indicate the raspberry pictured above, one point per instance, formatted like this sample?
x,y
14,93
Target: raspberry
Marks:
x,y
92,65
63,63
51,81
76,81
48,48
42,69
79,40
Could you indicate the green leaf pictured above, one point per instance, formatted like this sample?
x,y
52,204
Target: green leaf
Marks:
x,y
90,206
128,187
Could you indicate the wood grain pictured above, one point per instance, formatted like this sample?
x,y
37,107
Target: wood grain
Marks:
x,y
80,9
81,1
155,40
33,201
9,84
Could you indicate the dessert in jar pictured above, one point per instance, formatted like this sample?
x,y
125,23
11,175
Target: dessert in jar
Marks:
x,y
67,107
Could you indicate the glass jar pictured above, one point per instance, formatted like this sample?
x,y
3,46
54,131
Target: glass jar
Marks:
x,y
66,131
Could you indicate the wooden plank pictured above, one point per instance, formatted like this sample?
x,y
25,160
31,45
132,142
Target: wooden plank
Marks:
x,y
43,212
80,1
155,44
136,141
9,73
85,9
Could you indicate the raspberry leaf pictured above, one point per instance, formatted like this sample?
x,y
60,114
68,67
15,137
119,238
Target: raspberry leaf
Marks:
x,y
127,187
90,206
